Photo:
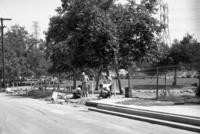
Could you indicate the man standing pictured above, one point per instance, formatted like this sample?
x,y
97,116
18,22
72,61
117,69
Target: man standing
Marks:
x,y
85,80
109,81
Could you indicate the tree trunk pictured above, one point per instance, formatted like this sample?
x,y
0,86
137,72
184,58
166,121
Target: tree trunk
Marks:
x,y
157,82
198,88
119,81
107,71
58,81
129,81
45,87
98,77
74,78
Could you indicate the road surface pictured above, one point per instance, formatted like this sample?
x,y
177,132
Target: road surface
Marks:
x,y
20,115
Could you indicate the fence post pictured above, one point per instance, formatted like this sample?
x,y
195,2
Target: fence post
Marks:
x,y
129,82
175,73
165,84
70,86
157,74
115,87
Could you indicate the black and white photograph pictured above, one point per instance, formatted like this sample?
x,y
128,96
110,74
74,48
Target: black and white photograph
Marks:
x,y
99,66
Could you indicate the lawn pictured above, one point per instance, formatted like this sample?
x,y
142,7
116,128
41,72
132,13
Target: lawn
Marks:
x,y
148,83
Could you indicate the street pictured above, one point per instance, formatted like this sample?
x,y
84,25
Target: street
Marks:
x,y
20,115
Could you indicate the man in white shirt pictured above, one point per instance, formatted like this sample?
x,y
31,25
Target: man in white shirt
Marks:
x,y
85,80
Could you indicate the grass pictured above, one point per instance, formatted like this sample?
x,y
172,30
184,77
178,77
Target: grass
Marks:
x,y
151,83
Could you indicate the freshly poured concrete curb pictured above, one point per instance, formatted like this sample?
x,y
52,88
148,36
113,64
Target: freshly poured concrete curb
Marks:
x,y
151,120
152,114
91,104
168,119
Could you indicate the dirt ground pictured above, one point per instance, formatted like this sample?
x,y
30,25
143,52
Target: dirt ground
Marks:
x,y
183,96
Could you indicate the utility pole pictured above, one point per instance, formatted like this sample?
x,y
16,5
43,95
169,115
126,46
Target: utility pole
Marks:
x,y
2,43
157,82
164,19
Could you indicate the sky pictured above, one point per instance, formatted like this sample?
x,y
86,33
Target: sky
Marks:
x,y
184,15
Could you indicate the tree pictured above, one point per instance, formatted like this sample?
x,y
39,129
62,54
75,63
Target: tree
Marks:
x,y
15,46
181,51
36,62
87,32
138,32
187,52
23,57
96,34
195,60
184,53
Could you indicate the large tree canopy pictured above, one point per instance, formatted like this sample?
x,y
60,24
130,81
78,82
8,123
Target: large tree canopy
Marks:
x,y
85,31
81,35
94,31
138,31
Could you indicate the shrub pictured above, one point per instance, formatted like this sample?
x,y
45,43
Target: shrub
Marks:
x,y
39,93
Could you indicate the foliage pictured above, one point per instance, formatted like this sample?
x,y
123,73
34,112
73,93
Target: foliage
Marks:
x,y
82,31
181,52
97,34
138,31
23,56
39,94
184,53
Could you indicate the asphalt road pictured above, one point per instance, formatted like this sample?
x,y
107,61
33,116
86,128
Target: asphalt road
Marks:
x,y
29,116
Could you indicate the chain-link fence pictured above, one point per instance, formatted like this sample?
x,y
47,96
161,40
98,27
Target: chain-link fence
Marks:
x,y
161,81
144,83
